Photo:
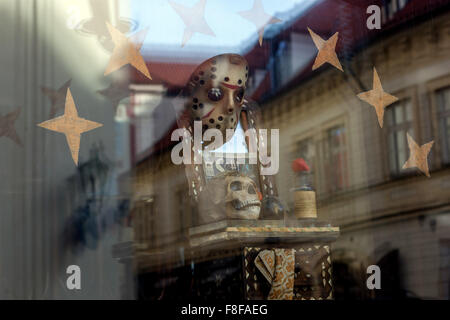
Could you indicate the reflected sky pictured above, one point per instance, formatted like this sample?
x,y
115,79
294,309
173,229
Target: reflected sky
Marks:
x,y
236,144
233,32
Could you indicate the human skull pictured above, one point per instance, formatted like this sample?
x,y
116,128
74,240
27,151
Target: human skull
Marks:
x,y
216,92
242,199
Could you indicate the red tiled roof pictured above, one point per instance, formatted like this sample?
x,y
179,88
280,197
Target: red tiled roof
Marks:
x,y
173,75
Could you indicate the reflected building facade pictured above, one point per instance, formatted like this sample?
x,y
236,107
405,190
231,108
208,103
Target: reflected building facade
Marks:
x,y
394,218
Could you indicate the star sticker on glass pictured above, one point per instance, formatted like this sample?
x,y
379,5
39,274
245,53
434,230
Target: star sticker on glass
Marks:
x,y
126,51
7,126
57,97
116,92
259,18
377,97
71,125
194,19
327,50
418,155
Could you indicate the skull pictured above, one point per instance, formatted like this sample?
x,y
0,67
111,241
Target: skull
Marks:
x,y
242,199
216,92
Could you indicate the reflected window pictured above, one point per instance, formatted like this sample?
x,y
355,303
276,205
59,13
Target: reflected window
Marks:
x,y
144,222
399,122
145,120
444,269
187,213
443,101
391,7
335,164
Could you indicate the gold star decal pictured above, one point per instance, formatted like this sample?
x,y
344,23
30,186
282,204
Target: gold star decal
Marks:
x,y
418,155
126,51
57,97
71,125
116,92
7,126
259,18
194,19
377,97
327,50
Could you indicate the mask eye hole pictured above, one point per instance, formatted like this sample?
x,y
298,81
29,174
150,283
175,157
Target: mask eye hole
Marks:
x,y
235,186
239,95
215,94
251,189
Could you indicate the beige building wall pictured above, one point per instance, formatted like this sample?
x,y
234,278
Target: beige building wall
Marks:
x,y
376,210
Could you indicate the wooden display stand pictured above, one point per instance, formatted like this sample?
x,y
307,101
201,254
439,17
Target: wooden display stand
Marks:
x,y
224,253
